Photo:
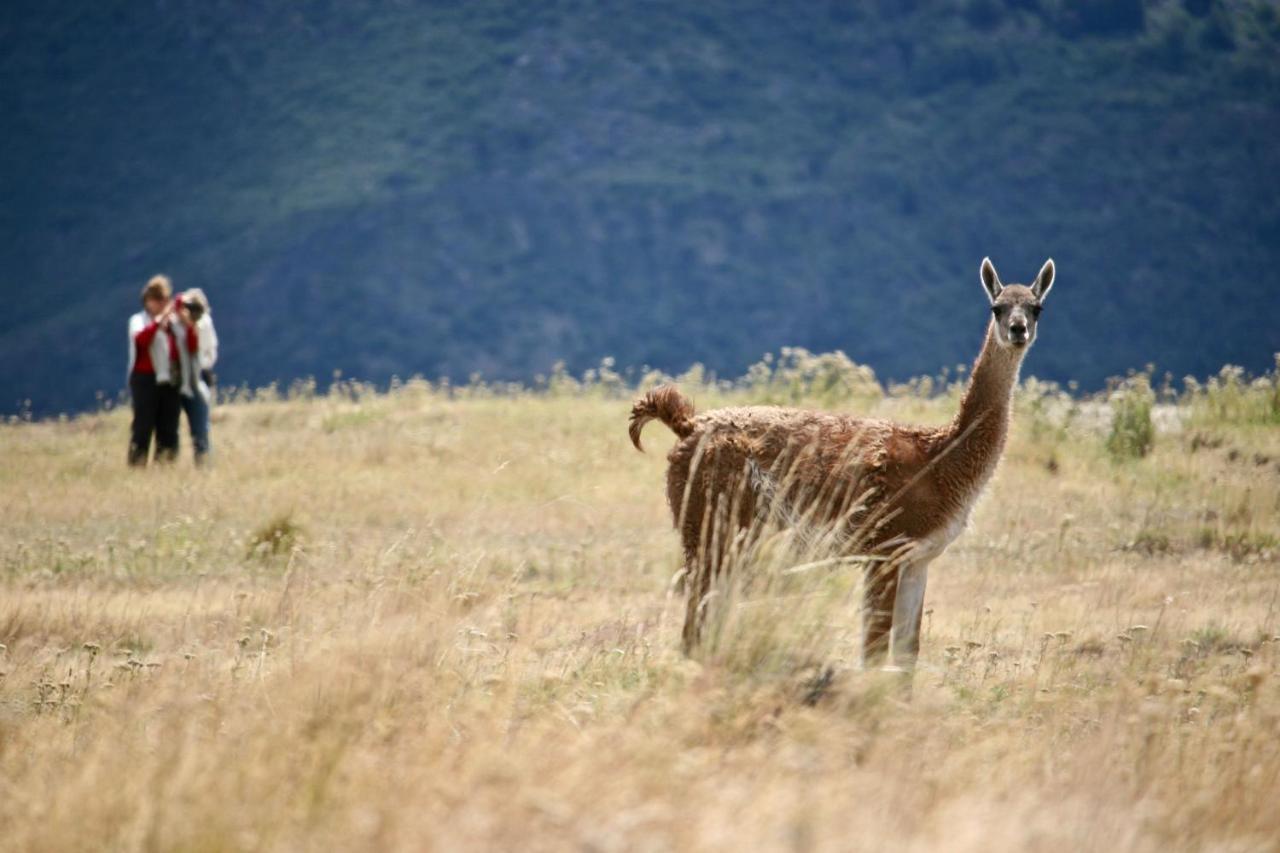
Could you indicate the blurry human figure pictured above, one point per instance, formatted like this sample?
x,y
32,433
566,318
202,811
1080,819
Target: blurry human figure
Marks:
x,y
197,355
154,375
208,341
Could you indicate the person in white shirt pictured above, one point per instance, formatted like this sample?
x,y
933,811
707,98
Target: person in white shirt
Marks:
x,y
208,339
154,359
192,308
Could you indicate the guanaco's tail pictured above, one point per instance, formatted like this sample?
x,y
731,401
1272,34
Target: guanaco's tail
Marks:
x,y
666,404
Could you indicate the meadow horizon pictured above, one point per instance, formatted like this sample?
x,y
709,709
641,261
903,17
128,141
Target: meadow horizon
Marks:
x,y
798,364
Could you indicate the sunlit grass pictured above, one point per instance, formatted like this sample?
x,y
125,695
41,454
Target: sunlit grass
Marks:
x,y
445,618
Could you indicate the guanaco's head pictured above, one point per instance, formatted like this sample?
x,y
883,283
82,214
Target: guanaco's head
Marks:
x,y
1016,307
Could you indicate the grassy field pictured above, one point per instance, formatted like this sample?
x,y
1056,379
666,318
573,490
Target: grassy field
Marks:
x,y
433,619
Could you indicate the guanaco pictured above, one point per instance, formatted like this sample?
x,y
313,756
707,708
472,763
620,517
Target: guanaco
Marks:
x,y
899,493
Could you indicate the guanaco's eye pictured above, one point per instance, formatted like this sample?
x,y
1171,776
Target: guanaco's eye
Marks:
x,y
1034,311
999,310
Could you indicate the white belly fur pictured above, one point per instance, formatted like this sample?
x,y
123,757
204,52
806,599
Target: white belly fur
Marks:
x,y
936,542
912,577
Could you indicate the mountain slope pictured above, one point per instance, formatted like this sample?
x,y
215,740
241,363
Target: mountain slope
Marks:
x,y
448,188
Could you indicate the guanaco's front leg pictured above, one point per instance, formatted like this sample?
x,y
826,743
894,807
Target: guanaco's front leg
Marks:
x,y
908,606
879,591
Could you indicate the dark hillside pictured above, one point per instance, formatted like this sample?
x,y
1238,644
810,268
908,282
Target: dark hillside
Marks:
x,y
442,188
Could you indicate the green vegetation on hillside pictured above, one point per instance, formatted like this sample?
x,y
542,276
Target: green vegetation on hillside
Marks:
x,y
444,188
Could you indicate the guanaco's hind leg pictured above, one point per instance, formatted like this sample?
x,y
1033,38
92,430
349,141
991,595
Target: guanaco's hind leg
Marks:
x,y
697,583
707,561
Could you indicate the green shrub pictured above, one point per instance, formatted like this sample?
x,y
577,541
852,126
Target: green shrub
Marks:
x,y
1132,432
279,535
1231,397
1049,409
799,376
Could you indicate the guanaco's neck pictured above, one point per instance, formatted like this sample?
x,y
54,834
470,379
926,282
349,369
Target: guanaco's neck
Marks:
x,y
975,438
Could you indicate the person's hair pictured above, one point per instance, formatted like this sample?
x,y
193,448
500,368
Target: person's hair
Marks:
x,y
157,288
197,303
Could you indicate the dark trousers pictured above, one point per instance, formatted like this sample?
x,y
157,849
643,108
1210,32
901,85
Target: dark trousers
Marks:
x,y
197,409
156,409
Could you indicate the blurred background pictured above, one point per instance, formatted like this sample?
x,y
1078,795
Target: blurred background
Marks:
x,y
445,188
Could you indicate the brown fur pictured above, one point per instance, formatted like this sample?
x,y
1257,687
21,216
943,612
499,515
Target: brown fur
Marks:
x,y
666,404
885,488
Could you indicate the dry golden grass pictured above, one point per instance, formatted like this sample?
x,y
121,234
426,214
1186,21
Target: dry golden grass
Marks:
x,y
424,622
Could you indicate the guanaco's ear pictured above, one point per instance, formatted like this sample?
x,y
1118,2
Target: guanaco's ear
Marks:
x,y
1044,281
990,280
